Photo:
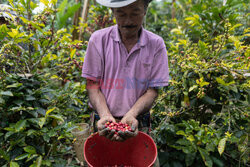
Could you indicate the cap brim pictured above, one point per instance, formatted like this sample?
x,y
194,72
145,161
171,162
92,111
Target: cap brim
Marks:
x,y
117,4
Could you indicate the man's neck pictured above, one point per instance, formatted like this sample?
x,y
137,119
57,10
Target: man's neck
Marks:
x,y
130,41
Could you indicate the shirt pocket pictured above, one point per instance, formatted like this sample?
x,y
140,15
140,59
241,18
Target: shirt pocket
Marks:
x,y
143,71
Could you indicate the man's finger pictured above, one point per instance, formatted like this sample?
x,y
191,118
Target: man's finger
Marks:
x,y
103,132
133,127
119,138
129,134
110,134
122,135
114,137
102,127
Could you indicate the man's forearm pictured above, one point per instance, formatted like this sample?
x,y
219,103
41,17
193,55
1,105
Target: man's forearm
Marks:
x,y
98,101
144,103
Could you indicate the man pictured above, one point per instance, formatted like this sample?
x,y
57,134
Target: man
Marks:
x,y
124,65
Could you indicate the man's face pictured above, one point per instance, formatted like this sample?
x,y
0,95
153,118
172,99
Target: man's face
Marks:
x,y
3,21
130,18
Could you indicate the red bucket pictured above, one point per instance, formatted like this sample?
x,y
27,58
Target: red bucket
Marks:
x,y
139,151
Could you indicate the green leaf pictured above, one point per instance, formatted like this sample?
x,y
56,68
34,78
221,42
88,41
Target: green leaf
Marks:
x,y
18,102
222,144
52,133
46,163
205,156
50,110
65,11
176,31
204,84
234,88
20,125
41,122
45,2
39,161
208,100
218,162
8,134
37,26
30,149
72,53
221,81
33,5
201,82
190,138
85,116
30,98
31,157
183,42
30,132
62,7
2,101
54,2
24,19
210,146
181,132
6,93
183,142
14,164
20,157
189,159
4,155
58,117
15,85
193,87
243,143
13,33
235,26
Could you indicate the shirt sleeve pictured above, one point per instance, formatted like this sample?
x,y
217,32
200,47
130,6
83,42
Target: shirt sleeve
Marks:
x,y
92,66
159,73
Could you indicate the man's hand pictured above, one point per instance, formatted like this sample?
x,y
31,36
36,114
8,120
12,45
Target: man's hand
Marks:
x,y
133,123
103,131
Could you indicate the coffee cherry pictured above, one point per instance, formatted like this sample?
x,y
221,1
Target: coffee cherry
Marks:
x,y
118,126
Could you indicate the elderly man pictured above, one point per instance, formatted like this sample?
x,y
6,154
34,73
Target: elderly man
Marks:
x,y
124,65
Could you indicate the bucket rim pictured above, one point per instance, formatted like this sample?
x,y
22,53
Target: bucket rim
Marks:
x,y
78,133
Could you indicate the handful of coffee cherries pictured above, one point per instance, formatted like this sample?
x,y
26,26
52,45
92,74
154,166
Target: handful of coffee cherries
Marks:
x,y
118,126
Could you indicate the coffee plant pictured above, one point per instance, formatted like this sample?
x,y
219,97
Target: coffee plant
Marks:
x,y
203,113
41,93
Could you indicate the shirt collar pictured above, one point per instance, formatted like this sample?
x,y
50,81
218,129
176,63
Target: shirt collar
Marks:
x,y
142,40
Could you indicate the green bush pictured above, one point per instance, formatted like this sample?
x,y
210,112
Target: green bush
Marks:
x,y
203,113
42,95
32,130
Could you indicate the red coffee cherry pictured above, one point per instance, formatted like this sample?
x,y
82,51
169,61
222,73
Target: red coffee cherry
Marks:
x,y
118,126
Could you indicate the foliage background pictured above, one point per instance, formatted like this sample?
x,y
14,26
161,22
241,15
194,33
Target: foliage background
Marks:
x,y
200,119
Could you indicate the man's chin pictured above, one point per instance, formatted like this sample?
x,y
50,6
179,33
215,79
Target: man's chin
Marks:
x,y
129,32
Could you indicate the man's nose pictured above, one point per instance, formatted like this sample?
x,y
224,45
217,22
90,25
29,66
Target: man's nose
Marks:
x,y
128,21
